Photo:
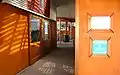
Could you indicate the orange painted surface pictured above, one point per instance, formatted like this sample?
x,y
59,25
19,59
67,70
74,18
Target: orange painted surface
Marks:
x,y
35,48
73,32
13,40
38,50
73,35
97,65
53,42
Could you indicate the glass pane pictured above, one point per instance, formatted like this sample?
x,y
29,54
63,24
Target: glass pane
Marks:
x,y
46,29
63,26
35,24
42,3
99,46
35,30
58,25
100,22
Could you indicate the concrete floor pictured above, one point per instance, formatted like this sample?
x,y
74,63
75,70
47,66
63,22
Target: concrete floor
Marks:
x,y
59,62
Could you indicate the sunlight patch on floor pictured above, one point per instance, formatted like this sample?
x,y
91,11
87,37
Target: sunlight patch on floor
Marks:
x,y
48,68
68,69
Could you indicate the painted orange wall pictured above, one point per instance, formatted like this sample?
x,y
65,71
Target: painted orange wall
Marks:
x,y
73,35
73,32
39,50
97,65
36,52
13,40
53,42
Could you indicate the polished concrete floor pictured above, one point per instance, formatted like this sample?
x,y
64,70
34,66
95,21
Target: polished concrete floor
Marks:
x,y
59,62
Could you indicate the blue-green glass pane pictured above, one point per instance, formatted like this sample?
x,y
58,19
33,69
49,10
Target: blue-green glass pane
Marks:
x,y
99,47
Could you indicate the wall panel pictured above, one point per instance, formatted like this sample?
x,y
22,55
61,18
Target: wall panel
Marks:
x,y
13,40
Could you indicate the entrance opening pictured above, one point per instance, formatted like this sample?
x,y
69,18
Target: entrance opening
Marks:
x,y
65,32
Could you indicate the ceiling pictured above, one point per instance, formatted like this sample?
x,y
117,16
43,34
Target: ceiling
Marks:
x,y
61,2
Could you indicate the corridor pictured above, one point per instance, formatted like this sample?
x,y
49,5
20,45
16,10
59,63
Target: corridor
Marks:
x,y
59,62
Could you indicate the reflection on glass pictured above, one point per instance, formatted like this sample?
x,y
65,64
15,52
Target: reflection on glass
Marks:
x,y
46,29
42,3
35,30
99,46
63,26
58,25
100,22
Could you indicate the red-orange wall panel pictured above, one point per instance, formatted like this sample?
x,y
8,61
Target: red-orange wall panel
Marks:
x,y
53,34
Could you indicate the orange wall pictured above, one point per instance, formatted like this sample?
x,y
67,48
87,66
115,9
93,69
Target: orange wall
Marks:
x,y
13,40
39,50
73,32
53,42
36,52
97,64
36,49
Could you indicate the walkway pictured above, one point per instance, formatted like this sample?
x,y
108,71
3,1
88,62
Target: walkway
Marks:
x,y
59,62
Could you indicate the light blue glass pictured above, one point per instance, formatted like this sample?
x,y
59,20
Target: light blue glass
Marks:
x,y
99,47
